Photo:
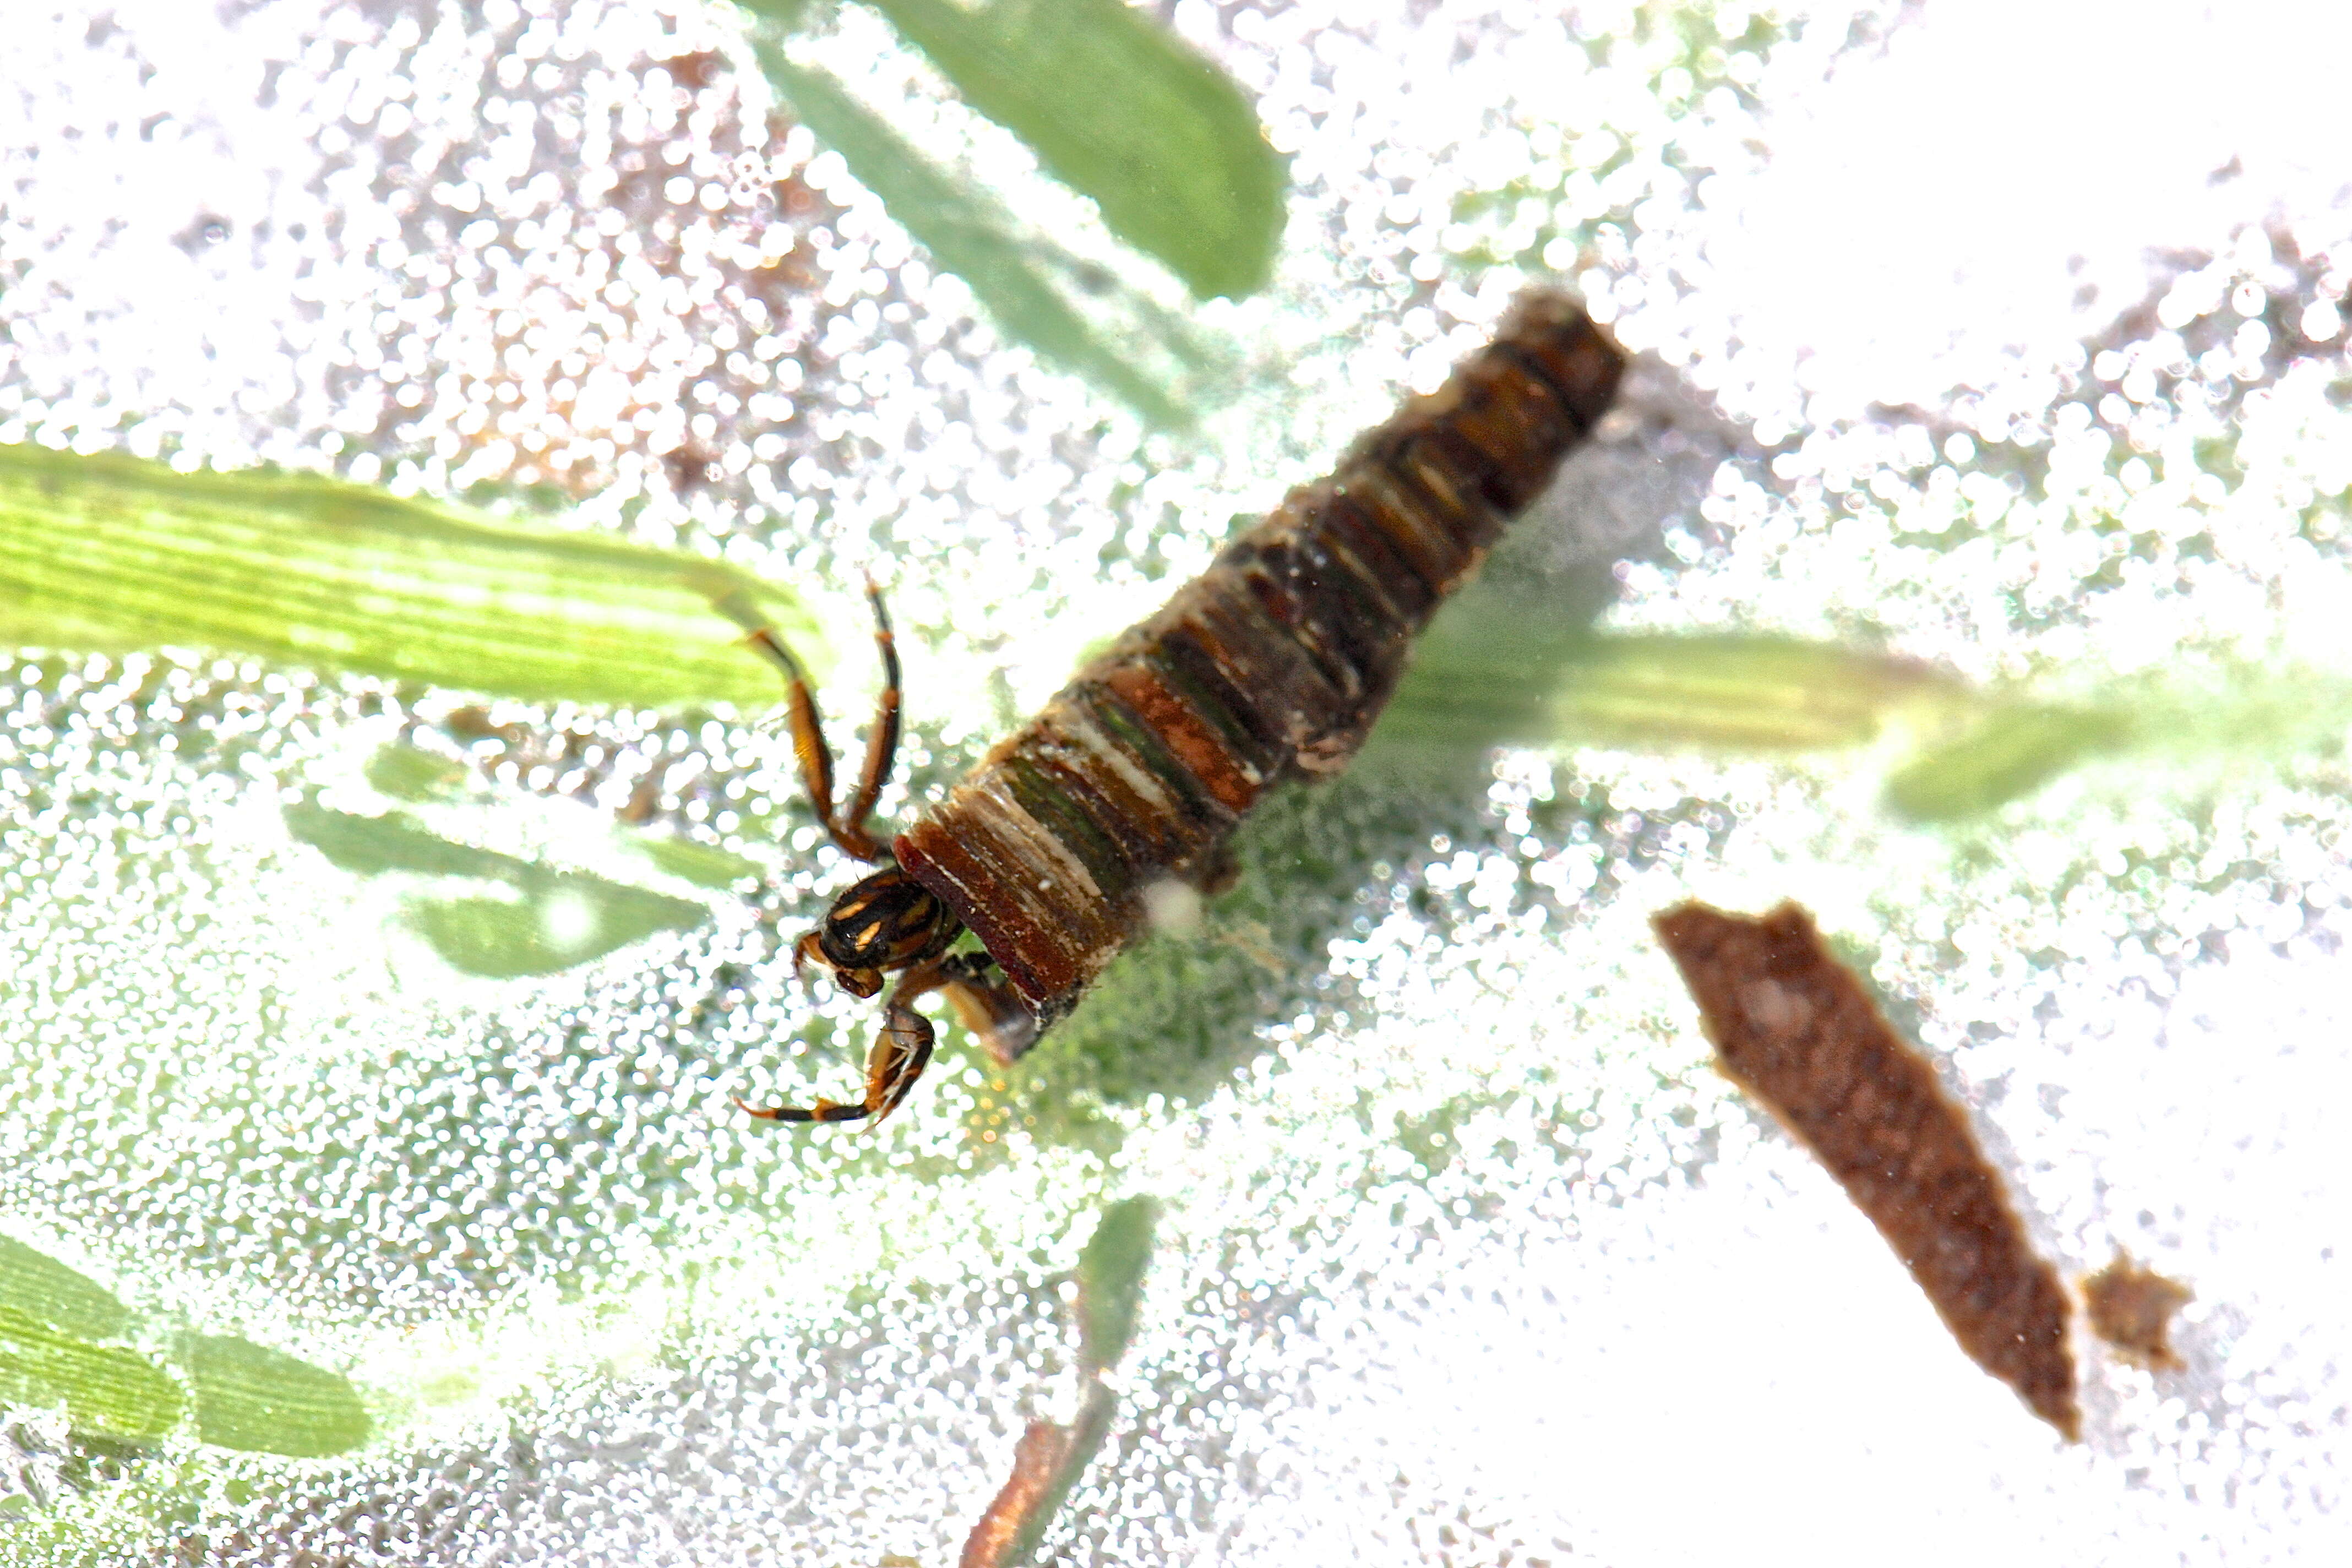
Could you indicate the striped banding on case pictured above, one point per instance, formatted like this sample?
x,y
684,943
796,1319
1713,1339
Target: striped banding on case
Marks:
x,y
1271,664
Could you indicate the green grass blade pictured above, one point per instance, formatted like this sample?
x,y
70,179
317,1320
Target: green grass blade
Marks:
x,y
394,842
567,919
1509,671
1110,1280
1734,692
559,919
412,774
109,552
266,1401
1118,109
704,865
107,1392
65,1298
2012,752
967,233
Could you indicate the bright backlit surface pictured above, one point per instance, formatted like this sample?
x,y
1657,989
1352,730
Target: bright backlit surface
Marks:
x,y
2005,336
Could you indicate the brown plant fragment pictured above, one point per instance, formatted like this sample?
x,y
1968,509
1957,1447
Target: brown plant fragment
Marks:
x,y
1046,1463
1794,1028
2131,1309
1049,1458
696,71
1037,1465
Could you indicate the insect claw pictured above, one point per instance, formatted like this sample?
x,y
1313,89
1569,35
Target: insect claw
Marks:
x,y
802,952
901,1052
822,1111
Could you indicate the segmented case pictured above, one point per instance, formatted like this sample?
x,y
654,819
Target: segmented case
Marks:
x,y
1272,664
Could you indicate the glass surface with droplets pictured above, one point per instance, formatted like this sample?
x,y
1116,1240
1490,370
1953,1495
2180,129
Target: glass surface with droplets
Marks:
x,y
1466,1254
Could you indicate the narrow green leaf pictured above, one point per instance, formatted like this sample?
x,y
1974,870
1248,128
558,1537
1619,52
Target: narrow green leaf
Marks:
x,y
704,865
394,842
565,921
1110,1280
2012,752
967,233
107,1391
48,1292
109,552
265,1402
410,773
559,920
1509,672
1734,692
1120,110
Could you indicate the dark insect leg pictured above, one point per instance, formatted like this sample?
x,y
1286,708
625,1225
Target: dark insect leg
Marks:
x,y
808,726
900,1053
987,1006
809,746
822,1111
881,742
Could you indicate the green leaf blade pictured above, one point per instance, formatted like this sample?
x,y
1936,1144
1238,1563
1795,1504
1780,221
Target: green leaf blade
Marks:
x,y
110,553
1110,1280
967,233
1511,669
107,1392
2012,752
65,1298
555,920
1122,111
262,1401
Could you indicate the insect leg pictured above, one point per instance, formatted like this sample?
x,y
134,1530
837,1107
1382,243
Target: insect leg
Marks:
x,y
881,742
822,1111
900,1053
808,725
988,1007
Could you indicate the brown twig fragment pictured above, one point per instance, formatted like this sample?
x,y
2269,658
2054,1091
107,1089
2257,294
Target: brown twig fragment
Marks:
x,y
1793,1027
1037,1464
2131,1309
1050,1457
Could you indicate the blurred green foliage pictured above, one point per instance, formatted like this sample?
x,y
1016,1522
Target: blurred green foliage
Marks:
x,y
108,1391
263,1402
246,1396
551,920
2010,751
972,235
1117,108
1110,1280
48,1292
1122,111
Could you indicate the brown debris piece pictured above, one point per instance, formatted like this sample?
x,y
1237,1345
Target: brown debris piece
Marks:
x,y
1794,1028
692,466
1037,1461
696,71
2131,1309
1046,1463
